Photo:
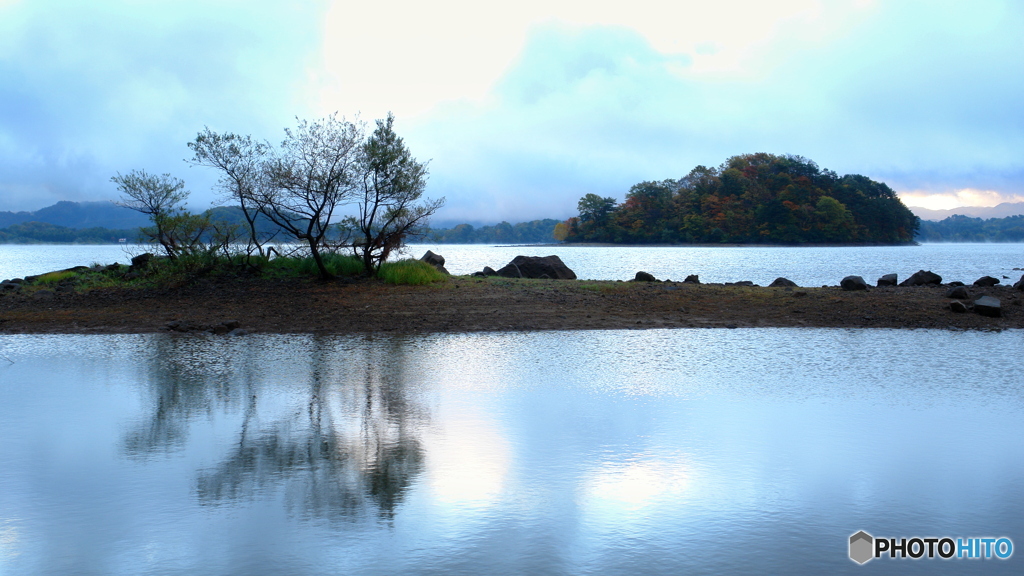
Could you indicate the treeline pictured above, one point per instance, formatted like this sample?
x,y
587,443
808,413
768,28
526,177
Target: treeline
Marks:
x,y
959,228
750,199
45,233
533,232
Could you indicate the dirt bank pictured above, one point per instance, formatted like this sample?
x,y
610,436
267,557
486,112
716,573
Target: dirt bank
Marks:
x,y
467,304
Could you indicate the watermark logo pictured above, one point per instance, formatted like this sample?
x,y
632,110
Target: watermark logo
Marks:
x,y
864,547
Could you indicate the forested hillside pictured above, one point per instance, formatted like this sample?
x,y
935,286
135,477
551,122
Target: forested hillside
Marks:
x,y
753,198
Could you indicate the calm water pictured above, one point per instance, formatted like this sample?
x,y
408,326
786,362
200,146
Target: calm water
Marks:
x,y
805,266
611,452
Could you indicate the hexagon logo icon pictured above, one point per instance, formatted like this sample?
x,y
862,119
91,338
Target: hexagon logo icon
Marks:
x,y
861,545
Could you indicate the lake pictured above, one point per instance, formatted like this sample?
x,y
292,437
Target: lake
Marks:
x,y
611,452
807,266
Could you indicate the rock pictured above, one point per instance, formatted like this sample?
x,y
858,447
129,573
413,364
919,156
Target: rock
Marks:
x,y
644,277
1018,286
232,324
488,271
988,306
8,286
113,267
781,282
986,281
853,283
887,280
43,295
238,332
536,267
510,270
958,307
479,275
694,279
433,259
959,292
221,329
955,283
141,260
922,278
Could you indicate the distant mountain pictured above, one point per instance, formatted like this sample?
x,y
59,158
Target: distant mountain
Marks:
x,y
77,215
1001,211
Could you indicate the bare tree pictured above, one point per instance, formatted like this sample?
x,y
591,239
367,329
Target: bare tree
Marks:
x,y
316,171
160,198
240,159
392,184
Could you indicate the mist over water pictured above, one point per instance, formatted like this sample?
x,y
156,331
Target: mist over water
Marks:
x,y
609,452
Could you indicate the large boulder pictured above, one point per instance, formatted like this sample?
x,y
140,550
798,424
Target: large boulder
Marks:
x,y
1018,286
988,306
644,277
694,279
887,280
435,260
537,267
142,260
923,278
781,282
986,281
488,271
853,283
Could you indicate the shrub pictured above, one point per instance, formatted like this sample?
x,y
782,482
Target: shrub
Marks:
x,y
412,272
55,277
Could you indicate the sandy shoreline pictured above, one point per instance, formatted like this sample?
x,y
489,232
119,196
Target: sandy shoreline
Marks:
x,y
467,304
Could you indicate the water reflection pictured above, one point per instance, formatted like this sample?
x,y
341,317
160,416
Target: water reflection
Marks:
x,y
346,444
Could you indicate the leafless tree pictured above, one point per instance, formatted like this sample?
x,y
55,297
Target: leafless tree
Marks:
x,y
240,159
315,171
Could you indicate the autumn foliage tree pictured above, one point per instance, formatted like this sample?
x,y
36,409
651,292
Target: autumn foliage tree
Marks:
x,y
752,198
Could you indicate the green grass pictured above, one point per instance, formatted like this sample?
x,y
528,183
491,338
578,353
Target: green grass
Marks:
x,y
55,277
337,264
410,272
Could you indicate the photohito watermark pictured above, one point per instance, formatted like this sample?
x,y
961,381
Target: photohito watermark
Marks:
x,y
864,547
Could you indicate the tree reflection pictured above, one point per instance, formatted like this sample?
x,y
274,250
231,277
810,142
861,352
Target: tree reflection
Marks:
x,y
338,436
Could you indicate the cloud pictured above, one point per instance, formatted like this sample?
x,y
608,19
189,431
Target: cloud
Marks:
x,y
920,95
957,198
89,89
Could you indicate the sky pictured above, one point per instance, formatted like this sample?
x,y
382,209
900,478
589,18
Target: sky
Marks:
x,y
522,108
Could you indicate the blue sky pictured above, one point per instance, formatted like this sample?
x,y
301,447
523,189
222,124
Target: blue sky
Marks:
x,y
522,109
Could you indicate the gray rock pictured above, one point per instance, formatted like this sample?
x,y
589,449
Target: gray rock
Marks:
x,y
955,283
853,283
238,332
8,286
922,278
433,259
887,280
958,307
986,281
741,283
510,270
781,282
536,267
988,306
644,277
694,279
488,271
479,275
959,292
1019,285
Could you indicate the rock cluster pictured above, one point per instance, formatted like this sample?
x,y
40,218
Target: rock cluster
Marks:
x,y
540,267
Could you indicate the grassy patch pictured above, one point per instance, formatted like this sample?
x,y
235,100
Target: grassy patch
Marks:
x,y
410,272
51,278
336,264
